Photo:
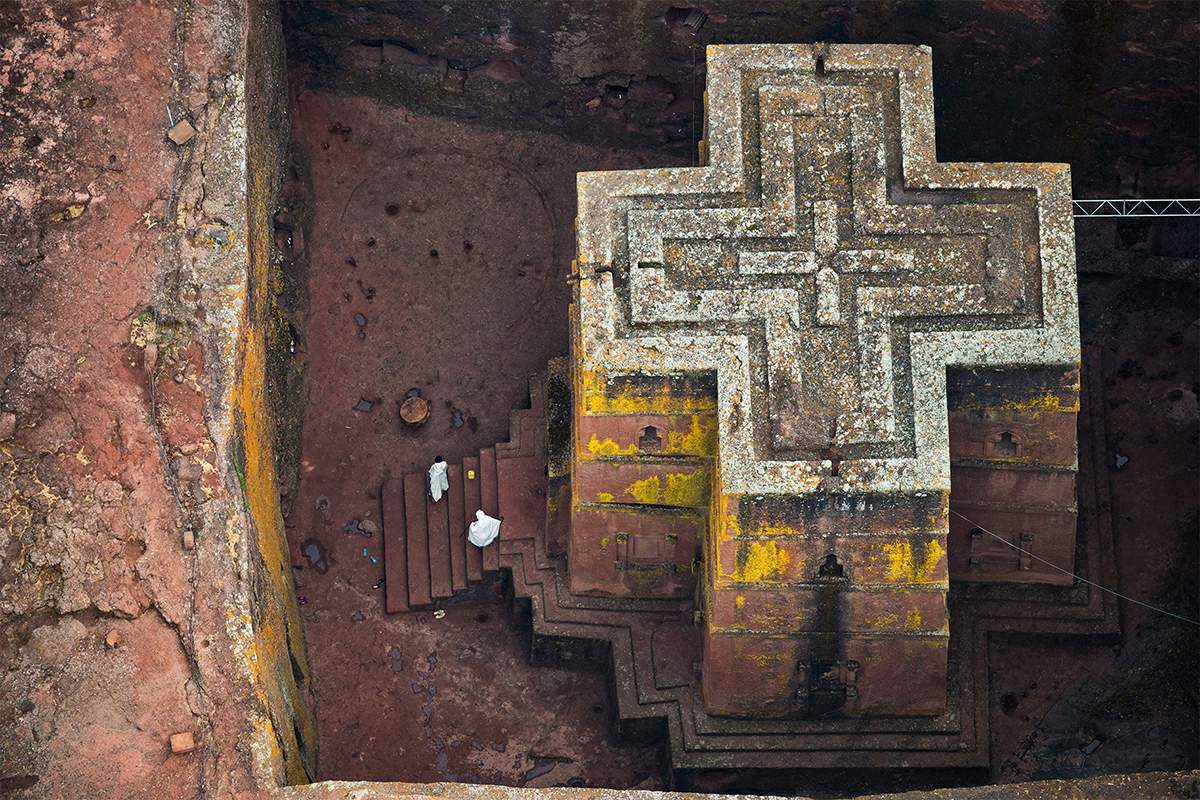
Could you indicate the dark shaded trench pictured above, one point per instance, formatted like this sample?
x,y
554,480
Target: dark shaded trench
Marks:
x,y
429,212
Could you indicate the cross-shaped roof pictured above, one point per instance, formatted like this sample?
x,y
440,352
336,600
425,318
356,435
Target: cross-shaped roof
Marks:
x,y
827,268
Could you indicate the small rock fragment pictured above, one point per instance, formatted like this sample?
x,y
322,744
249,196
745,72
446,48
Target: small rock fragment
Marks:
x,y
363,405
113,639
358,616
455,80
314,551
181,133
189,540
593,104
368,528
182,742
187,469
540,767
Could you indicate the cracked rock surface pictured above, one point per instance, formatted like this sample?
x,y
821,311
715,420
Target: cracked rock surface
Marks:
x,y
105,453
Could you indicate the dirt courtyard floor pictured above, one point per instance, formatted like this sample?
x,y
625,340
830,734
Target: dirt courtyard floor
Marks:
x,y
438,258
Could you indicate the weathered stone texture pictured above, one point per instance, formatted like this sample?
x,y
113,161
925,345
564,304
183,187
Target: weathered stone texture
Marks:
x,y
826,270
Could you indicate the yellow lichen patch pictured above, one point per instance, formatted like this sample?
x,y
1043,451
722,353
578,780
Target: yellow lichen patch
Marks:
x,y
900,561
913,623
144,328
761,561
645,491
902,567
767,659
604,497
700,439
607,447
884,622
732,530
689,489
74,211
774,530
597,397
740,601
1046,403
1013,460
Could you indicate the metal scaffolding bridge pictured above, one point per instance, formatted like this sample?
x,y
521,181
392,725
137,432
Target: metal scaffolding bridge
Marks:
x,y
1135,207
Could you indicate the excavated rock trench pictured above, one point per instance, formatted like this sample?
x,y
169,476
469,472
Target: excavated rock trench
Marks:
x,y
171,315
438,150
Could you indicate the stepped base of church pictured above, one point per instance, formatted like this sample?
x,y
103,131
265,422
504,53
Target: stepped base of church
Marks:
x,y
653,646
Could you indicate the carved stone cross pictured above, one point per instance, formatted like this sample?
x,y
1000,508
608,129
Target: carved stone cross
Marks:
x,y
826,262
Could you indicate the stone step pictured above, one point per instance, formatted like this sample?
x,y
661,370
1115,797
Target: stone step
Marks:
x,y
521,495
490,503
457,528
527,426
471,503
395,548
438,527
426,553
416,539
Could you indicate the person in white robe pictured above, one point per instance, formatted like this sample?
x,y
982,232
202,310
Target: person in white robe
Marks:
x,y
484,530
438,482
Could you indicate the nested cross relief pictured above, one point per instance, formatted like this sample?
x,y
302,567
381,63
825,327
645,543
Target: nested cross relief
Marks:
x,y
827,263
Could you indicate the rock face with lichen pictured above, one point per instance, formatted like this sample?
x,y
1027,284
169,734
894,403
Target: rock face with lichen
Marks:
x,y
761,348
